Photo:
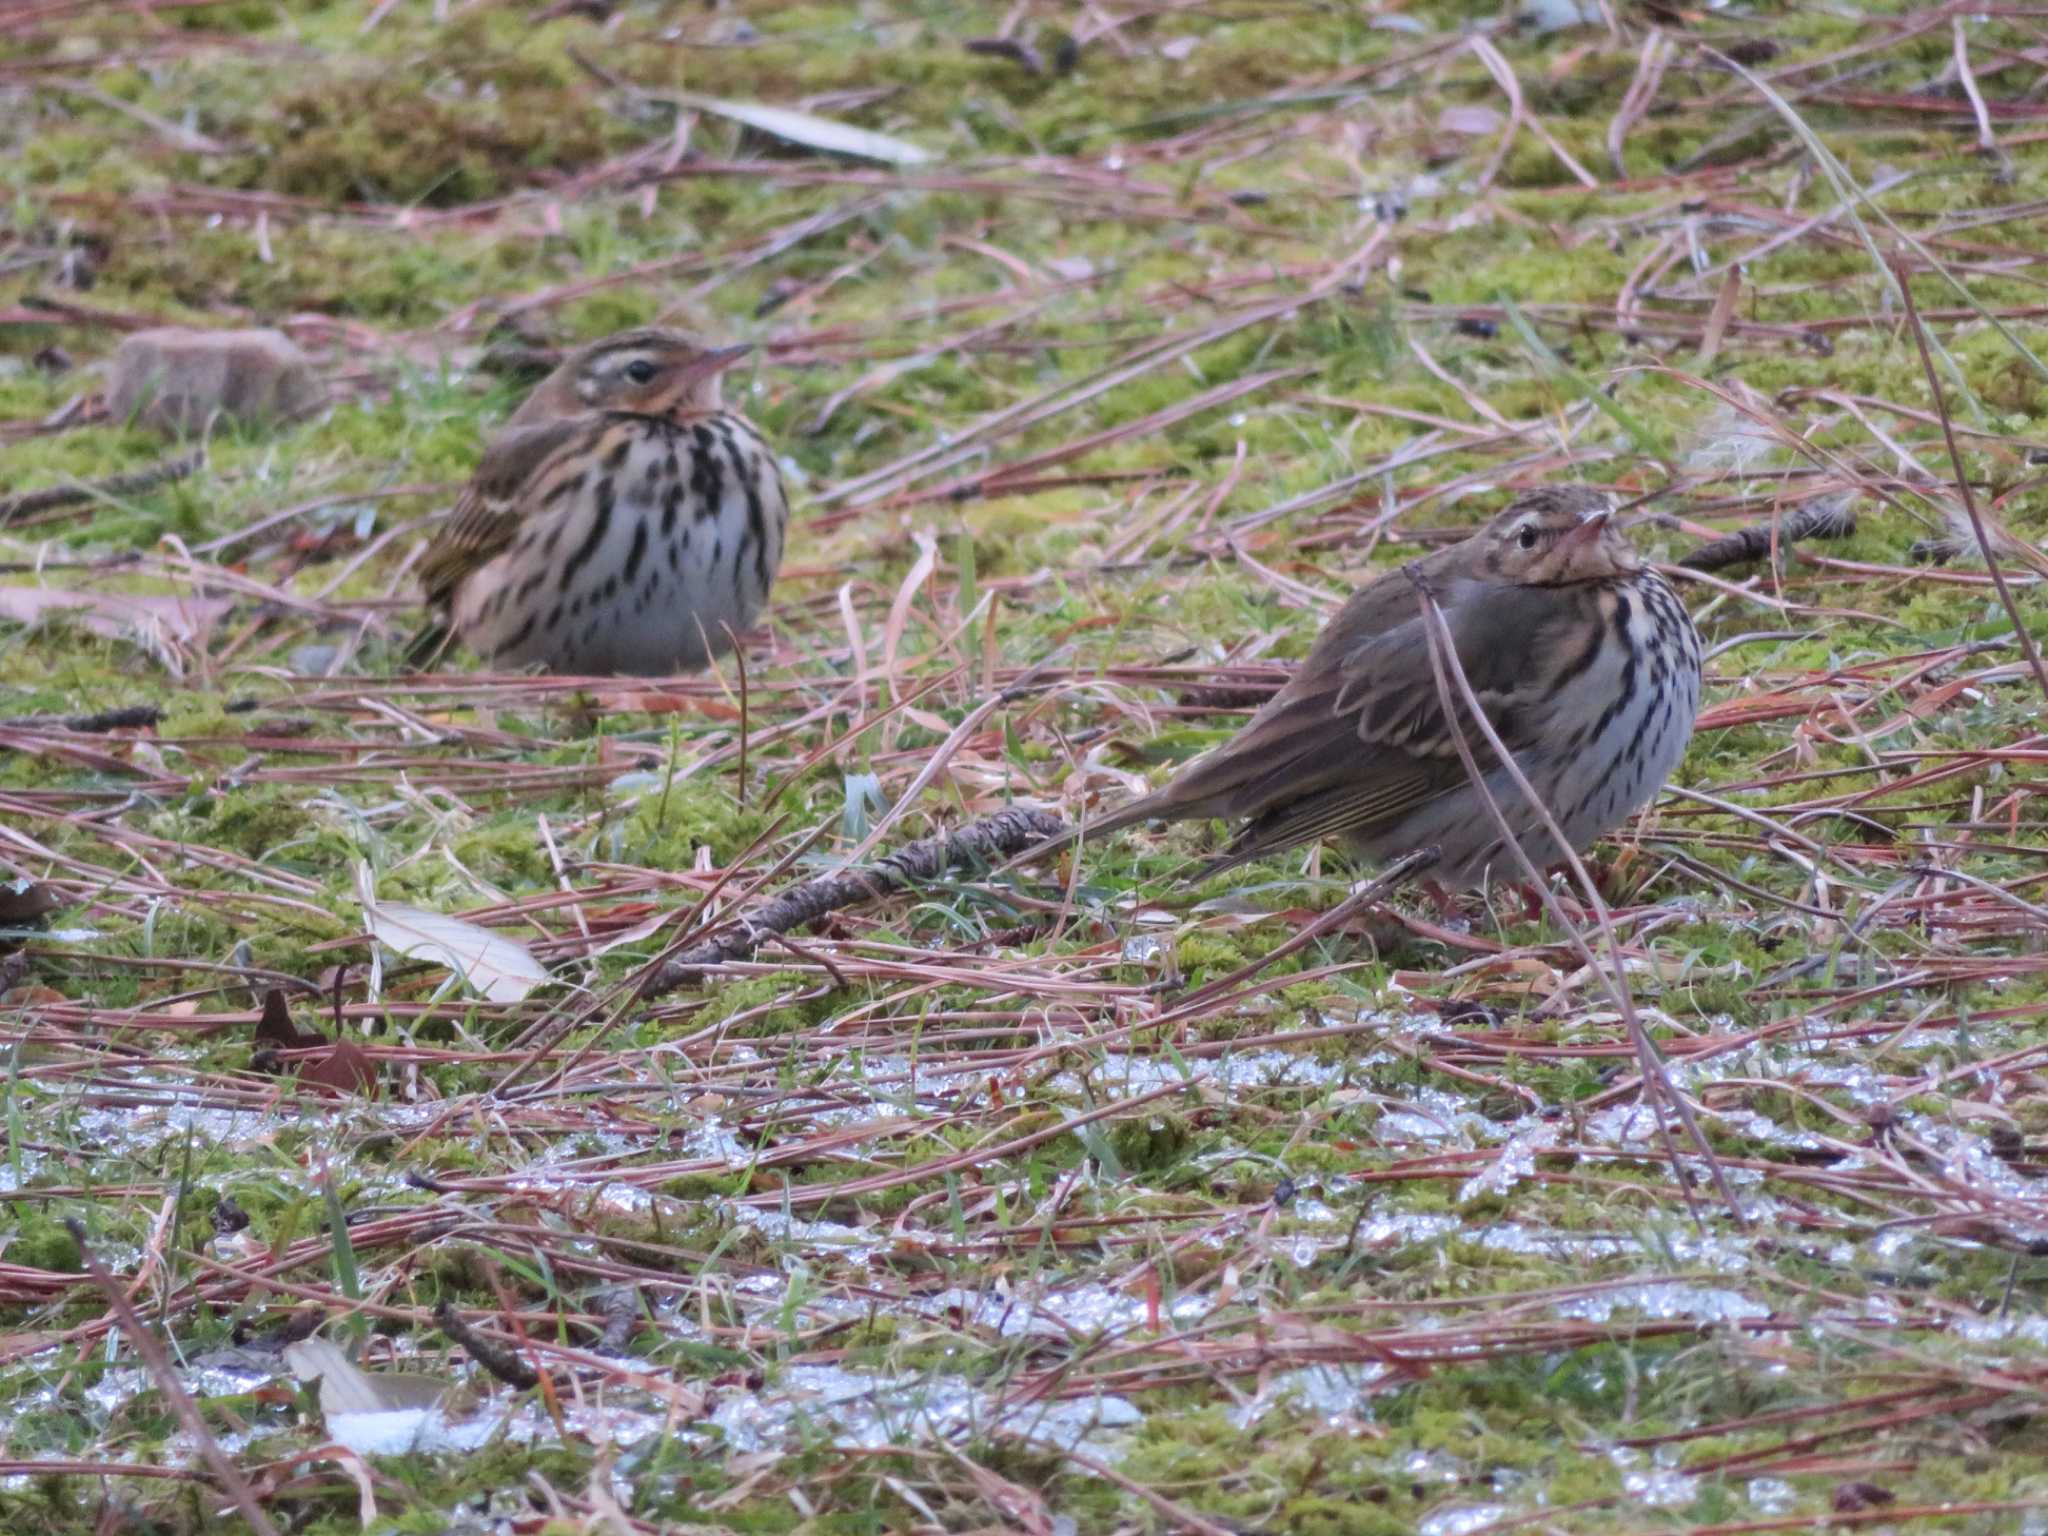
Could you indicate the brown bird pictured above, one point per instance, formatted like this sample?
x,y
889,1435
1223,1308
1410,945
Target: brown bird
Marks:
x,y
623,521
1583,659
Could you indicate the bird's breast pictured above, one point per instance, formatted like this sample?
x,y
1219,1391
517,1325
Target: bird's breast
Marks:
x,y
641,548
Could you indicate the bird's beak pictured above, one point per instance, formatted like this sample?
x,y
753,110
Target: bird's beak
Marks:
x,y
714,362
1587,534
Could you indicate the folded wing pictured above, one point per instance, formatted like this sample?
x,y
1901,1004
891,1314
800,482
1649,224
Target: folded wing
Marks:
x,y
1359,738
508,486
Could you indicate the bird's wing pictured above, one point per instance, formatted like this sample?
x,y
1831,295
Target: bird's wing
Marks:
x,y
495,503
1359,737
1506,639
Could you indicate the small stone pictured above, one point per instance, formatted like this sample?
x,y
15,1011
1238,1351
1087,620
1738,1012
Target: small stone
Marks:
x,y
177,380
315,660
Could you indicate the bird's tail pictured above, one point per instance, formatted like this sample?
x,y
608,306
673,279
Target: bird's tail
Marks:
x,y
424,651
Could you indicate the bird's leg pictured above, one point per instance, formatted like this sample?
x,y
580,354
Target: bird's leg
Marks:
x,y
1565,892
1604,876
1445,903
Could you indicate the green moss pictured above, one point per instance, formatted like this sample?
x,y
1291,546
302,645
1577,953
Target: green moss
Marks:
x,y
252,822
373,137
1158,1141
1340,1515
41,1243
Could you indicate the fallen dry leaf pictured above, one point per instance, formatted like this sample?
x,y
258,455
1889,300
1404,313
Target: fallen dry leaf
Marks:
x,y
500,968
650,702
117,614
25,901
1474,120
340,1066
813,132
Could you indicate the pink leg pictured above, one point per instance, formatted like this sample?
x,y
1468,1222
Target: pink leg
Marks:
x,y
1445,903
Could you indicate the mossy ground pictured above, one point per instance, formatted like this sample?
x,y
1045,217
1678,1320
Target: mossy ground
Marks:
x,y
1371,1245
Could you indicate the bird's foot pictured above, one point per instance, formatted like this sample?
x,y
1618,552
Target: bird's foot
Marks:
x,y
1564,891
1444,901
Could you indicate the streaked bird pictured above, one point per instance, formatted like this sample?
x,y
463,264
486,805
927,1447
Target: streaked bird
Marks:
x,y
623,521
1582,658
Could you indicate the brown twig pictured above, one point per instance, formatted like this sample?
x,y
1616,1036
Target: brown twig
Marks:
x,y
1450,673
2019,626
126,484
158,1362
1397,872
1830,517
993,837
541,1038
1179,1516
132,717
494,1358
620,1309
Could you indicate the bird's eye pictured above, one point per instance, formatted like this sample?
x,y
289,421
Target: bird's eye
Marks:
x,y
1527,537
640,371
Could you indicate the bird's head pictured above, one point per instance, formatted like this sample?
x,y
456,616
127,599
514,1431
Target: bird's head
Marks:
x,y
1556,536
651,371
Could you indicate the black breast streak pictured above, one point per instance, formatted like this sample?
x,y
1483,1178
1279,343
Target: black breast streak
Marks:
x,y
757,526
638,551
707,474
518,636
1624,696
1581,663
600,525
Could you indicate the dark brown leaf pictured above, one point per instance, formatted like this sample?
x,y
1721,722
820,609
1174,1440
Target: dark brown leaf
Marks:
x,y
1860,1496
1850,1497
341,1066
276,1029
25,901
